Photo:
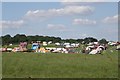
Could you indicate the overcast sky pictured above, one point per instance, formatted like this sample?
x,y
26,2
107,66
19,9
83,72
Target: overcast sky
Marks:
x,y
61,19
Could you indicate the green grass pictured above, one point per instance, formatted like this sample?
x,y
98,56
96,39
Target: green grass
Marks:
x,y
55,65
0,65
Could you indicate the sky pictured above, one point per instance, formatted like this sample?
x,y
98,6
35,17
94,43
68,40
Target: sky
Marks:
x,y
60,0
61,19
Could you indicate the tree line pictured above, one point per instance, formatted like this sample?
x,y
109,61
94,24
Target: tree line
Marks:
x,y
8,39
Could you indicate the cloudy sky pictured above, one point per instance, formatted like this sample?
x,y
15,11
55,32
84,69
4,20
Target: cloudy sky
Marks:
x,y
61,19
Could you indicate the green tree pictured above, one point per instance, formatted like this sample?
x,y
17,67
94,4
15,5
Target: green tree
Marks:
x,y
89,39
80,40
103,41
6,40
19,38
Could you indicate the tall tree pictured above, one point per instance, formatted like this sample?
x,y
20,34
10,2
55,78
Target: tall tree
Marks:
x,y
103,41
7,39
90,39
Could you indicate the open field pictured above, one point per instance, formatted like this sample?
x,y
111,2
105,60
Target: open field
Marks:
x,y
56,65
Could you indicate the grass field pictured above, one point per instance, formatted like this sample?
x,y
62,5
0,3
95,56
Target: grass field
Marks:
x,y
55,65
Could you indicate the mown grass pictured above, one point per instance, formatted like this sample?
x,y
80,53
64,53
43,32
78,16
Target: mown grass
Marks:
x,y
0,60
56,65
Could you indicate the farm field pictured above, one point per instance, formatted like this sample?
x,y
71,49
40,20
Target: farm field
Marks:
x,y
59,65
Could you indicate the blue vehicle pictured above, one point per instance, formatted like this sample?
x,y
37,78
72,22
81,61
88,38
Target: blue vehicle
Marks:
x,y
35,46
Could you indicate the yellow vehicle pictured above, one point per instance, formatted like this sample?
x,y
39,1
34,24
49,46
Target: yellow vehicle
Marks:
x,y
42,50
